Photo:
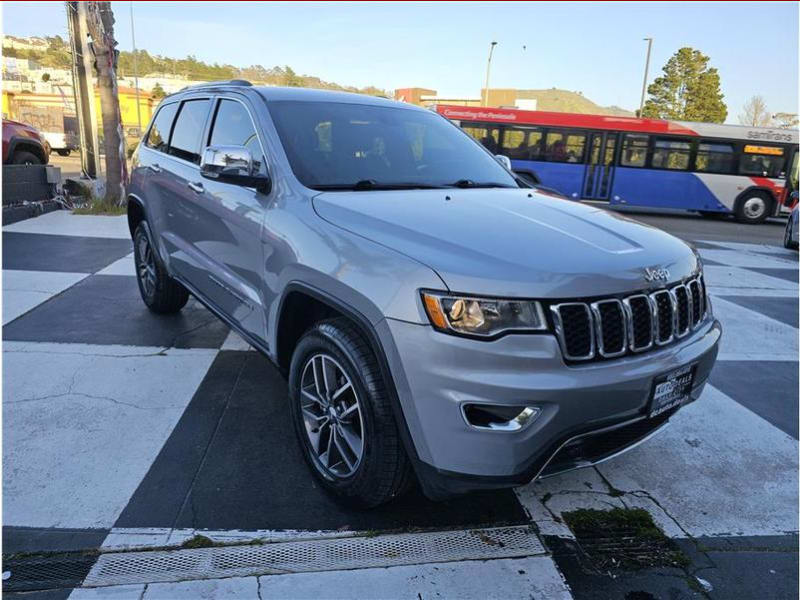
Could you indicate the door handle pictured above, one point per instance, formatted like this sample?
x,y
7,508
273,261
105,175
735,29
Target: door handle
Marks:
x,y
154,168
196,187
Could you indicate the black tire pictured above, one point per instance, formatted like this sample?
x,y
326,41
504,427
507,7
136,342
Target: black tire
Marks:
x,y
383,470
744,213
160,292
63,152
25,158
787,236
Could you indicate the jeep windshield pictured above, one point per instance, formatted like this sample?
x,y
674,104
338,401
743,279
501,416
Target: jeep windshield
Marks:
x,y
343,146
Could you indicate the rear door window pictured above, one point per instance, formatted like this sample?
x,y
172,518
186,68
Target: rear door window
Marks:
x,y
187,134
158,137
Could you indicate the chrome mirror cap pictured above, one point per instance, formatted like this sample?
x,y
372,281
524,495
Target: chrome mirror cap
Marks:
x,y
232,164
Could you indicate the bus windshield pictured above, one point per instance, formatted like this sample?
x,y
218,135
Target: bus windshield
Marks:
x,y
344,146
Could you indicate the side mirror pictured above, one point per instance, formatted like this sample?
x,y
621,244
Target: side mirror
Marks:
x,y
233,164
503,160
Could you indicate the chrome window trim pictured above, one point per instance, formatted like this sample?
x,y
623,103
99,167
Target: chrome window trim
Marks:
x,y
598,326
559,327
626,302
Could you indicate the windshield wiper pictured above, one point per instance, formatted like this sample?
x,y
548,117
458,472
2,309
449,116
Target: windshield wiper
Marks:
x,y
371,184
468,183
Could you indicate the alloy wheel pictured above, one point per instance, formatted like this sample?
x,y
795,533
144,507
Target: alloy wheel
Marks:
x,y
147,265
332,417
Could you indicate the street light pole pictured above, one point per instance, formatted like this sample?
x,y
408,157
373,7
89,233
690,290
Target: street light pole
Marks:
x,y
136,74
646,68
488,66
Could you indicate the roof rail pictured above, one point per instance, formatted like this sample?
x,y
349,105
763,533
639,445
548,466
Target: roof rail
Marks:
x,y
209,84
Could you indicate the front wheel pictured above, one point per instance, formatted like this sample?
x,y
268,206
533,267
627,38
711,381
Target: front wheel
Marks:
x,y
160,292
63,152
753,208
343,417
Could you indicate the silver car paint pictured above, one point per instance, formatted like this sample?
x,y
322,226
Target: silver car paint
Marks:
x,y
374,251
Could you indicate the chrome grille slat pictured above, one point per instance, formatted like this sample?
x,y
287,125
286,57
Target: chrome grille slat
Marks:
x,y
588,330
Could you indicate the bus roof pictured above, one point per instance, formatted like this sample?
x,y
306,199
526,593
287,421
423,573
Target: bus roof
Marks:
x,y
617,123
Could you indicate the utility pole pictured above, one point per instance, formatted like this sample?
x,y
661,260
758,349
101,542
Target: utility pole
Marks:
x,y
83,88
646,68
488,67
136,75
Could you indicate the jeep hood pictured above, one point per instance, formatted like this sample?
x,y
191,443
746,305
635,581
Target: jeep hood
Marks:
x,y
511,242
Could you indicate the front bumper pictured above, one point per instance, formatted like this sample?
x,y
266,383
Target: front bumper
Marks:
x,y
435,374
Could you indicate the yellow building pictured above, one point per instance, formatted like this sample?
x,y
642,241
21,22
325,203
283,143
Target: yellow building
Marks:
x,y
65,104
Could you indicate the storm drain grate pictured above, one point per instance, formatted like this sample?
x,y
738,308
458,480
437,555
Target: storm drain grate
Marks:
x,y
623,539
313,555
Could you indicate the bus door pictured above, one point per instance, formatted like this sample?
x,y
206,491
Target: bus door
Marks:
x,y
599,173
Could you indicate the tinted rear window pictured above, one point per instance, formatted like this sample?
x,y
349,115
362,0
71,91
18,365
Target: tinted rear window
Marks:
x,y
188,132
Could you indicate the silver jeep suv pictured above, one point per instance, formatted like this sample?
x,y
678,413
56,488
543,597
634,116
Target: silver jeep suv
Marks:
x,y
434,316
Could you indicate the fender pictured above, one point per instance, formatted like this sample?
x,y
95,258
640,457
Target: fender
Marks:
x,y
132,198
374,341
37,147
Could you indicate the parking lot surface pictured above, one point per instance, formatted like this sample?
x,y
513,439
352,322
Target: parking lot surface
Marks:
x,y
122,428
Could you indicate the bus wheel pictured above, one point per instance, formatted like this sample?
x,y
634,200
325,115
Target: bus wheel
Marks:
x,y
753,208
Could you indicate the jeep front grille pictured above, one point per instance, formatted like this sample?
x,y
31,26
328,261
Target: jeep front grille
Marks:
x,y
612,327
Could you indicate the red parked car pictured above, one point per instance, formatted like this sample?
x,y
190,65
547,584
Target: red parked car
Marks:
x,y
23,145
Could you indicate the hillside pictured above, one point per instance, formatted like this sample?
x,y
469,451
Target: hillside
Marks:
x,y
573,102
56,54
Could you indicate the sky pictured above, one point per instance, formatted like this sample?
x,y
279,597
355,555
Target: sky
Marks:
x,y
594,48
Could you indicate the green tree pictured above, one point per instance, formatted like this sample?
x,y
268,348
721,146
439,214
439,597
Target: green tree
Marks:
x,y
45,77
689,90
158,91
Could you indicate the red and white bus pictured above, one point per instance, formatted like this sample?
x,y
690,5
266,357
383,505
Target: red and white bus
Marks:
x,y
708,168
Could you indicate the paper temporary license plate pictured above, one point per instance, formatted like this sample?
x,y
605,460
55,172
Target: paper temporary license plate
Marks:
x,y
671,389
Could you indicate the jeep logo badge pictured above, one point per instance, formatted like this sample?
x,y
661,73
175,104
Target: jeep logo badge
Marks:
x,y
656,274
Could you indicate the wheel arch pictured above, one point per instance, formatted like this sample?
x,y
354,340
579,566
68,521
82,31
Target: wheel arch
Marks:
x,y
24,144
760,190
285,338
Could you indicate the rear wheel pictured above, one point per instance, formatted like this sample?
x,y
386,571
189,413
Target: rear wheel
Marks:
x,y
787,235
25,158
753,208
160,292
343,417
63,152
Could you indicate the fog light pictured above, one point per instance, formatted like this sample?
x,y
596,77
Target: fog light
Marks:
x,y
499,418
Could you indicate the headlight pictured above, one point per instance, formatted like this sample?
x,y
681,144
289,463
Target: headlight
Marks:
x,y
483,317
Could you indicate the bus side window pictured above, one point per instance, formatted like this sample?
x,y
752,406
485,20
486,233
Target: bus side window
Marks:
x,y
714,158
762,161
671,154
634,150
564,147
522,143
488,137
